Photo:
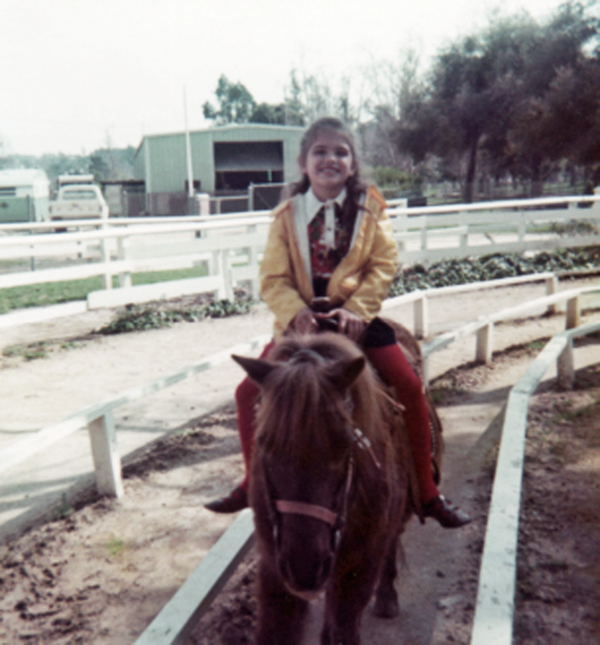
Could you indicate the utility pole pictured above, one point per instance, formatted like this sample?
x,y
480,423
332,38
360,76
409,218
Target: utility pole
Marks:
x,y
188,149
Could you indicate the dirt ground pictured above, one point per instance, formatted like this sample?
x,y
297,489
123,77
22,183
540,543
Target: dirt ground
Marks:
x,y
103,568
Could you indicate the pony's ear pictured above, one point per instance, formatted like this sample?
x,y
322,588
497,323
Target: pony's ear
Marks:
x,y
256,369
344,373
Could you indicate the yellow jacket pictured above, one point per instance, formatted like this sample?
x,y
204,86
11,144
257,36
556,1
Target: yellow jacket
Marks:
x,y
360,282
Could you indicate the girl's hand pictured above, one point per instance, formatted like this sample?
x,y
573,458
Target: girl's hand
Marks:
x,y
304,321
349,323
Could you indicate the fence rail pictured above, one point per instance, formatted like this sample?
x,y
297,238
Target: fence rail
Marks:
x,y
494,613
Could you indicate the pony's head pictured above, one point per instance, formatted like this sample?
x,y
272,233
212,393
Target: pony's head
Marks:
x,y
314,388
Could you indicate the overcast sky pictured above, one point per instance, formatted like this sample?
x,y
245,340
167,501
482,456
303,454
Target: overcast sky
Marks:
x,y
78,75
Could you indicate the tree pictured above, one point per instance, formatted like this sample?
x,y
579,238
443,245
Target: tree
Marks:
x,y
495,95
468,97
267,113
557,118
309,97
235,103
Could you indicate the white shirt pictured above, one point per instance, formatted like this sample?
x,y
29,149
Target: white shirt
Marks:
x,y
312,205
306,206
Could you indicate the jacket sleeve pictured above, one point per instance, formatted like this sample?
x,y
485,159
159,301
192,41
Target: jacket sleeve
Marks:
x,y
378,272
278,284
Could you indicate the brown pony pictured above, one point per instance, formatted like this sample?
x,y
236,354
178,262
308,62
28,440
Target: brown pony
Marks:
x,y
330,489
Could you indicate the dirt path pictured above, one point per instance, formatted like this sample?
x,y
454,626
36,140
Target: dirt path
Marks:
x,y
102,572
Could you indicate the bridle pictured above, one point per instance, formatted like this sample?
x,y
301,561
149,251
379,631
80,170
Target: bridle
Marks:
x,y
336,520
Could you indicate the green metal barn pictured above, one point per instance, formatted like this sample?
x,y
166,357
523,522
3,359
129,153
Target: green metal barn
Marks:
x,y
225,161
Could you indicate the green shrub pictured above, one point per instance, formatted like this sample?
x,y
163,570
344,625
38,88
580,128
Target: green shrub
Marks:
x,y
156,315
492,267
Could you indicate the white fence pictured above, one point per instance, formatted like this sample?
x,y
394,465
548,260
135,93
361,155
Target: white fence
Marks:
x,y
494,614
185,608
493,620
229,247
427,234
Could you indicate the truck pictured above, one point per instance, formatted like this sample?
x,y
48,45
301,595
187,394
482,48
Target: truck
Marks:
x,y
78,198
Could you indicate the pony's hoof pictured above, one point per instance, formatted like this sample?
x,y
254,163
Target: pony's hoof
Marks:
x,y
386,608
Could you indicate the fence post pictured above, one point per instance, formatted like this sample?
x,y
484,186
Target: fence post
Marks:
x,y
227,277
463,220
573,313
421,316
485,339
107,462
521,228
253,263
424,233
551,289
564,367
220,262
203,200
107,277
125,277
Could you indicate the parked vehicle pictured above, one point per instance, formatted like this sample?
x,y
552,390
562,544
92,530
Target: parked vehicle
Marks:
x,y
78,198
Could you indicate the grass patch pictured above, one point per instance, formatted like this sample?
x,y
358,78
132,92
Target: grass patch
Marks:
x,y
52,293
536,345
115,547
27,352
43,295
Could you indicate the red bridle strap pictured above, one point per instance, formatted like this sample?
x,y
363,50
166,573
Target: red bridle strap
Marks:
x,y
311,510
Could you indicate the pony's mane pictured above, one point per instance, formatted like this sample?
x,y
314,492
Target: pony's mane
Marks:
x,y
300,398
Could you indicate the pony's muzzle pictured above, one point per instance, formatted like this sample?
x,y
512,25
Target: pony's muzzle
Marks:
x,y
306,575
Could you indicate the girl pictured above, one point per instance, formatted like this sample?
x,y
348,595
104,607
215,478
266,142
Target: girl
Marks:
x,y
333,241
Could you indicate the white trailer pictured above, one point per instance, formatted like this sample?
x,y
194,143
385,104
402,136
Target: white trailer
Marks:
x,y
24,195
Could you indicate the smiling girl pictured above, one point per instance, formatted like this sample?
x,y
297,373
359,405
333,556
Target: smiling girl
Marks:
x,y
332,241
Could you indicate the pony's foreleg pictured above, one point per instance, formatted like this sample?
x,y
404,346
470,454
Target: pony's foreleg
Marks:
x,y
346,602
386,596
280,614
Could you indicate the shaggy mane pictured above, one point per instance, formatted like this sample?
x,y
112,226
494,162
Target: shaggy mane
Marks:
x,y
300,399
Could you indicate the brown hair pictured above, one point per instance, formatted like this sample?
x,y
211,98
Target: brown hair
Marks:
x,y
354,184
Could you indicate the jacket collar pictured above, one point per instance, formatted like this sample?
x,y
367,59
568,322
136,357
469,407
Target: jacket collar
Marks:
x,y
312,204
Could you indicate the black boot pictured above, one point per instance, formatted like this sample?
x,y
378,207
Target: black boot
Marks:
x,y
446,513
234,502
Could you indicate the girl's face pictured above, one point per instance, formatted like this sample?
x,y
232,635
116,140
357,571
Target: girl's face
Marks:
x,y
329,163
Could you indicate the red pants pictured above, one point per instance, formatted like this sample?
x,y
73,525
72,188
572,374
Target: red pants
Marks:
x,y
394,369
246,396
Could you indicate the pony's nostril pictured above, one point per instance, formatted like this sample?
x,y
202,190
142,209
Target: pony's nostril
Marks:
x,y
306,575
